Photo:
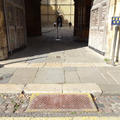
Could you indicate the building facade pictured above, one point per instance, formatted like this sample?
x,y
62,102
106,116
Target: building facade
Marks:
x,y
21,17
102,32
50,8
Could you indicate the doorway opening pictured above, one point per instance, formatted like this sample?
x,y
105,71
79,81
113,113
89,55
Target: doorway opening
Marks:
x,y
40,16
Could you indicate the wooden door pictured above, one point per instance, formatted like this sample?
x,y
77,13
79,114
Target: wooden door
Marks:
x,y
15,21
98,25
82,18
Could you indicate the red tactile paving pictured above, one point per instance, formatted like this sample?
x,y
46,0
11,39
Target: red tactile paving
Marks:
x,y
62,102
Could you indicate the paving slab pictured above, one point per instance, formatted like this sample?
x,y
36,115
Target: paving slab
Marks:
x,y
110,89
50,76
68,68
115,74
6,74
37,59
106,75
36,65
7,70
77,65
23,76
93,89
43,88
71,77
90,75
53,65
16,65
11,88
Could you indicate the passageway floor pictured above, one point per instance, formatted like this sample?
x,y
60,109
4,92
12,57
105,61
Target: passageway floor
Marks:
x,y
47,65
47,61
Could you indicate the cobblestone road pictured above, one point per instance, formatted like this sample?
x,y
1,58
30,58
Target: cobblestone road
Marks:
x,y
18,103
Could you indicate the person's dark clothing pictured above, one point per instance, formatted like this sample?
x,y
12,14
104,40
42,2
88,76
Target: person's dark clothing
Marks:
x,y
70,24
59,21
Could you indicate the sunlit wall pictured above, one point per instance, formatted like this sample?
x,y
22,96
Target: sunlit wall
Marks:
x,y
49,8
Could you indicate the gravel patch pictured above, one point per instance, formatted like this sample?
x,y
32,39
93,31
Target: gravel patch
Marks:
x,y
14,103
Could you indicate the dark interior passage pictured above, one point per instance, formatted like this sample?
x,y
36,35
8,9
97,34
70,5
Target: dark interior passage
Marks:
x,y
43,46
33,18
81,18
17,27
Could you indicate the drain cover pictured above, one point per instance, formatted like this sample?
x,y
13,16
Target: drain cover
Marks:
x,y
62,102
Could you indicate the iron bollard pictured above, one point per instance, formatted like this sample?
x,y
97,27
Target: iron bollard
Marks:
x,y
114,44
118,47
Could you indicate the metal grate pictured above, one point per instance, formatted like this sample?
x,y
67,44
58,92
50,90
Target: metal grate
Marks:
x,y
62,102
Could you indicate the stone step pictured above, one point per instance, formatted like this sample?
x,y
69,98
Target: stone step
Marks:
x,y
93,89
90,88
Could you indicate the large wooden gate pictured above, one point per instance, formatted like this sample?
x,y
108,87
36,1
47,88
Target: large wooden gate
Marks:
x,y
82,18
98,25
15,22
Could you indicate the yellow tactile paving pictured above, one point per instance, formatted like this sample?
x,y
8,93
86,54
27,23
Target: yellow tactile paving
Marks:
x,y
60,118
53,65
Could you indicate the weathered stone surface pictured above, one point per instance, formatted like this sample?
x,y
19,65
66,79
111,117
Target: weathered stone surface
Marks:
x,y
23,76
99,13
90,75
71,77
11,88
110,89
43,88
50,76
93,89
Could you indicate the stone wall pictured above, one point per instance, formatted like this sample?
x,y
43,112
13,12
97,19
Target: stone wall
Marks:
x,y
50,7
3,40
98,25
114,10
102,32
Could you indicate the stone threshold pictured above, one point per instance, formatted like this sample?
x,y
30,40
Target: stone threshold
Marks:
x,y
90,88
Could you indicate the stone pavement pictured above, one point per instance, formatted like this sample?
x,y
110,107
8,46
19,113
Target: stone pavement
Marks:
x,y
48,61
16,105
65,66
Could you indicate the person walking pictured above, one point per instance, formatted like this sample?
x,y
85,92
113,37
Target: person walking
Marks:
x,y
59,25
59,21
